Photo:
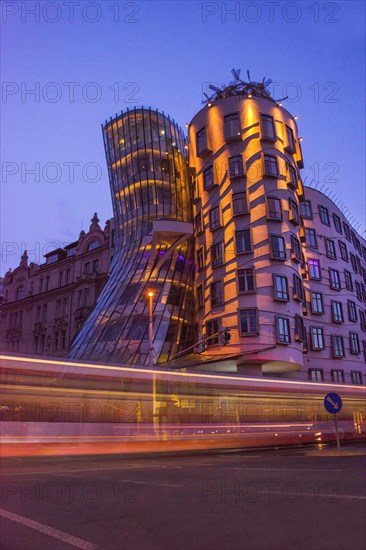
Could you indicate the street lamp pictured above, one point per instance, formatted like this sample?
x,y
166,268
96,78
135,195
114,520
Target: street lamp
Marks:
x,y
150,295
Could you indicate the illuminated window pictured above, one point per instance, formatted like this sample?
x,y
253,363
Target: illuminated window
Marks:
x,y
316,375
317,303
354,343
337,345
201,141
277,247
343,251
268,130
356,377
216,293
270,166
334,279
352,311
280,286
248,322
246,281
310,238
317,338
243,241
330,249
274,208
306,211
240,205
283,330
214,216
324,215
217,254
338,376
236,166
314,269
337,223
337,312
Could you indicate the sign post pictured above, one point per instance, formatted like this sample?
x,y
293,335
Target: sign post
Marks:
x,y
333,404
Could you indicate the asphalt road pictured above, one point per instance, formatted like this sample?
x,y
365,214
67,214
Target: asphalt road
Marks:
x,y
276,500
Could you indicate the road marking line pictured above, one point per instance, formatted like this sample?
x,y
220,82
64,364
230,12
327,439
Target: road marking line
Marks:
x,y
50,531
149,483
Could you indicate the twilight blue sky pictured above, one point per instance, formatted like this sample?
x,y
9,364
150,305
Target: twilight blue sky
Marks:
x,y
162,54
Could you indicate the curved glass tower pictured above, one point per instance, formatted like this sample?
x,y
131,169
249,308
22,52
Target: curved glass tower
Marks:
x,y
147,162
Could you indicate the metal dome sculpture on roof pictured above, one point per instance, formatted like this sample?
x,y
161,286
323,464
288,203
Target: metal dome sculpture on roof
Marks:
x,y
240,87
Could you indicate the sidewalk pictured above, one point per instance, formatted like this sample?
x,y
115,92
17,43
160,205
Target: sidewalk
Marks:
x,y
357,449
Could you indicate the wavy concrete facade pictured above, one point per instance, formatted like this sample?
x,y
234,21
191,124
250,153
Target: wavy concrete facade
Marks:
x,y
147,161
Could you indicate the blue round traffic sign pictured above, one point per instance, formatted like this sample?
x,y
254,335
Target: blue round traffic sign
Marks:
x,y
333,402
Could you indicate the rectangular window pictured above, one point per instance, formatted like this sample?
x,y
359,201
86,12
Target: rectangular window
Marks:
x,y
243,241
330,249
364,349
217,254
347,231
353,262
95,266
314,269
310,238
337,223
201,141
283,330
294,216
86,297
208,177
86,267
337,312
356,377
348,280
236,166
232,128
316,375
280,286
270,166
352,311
334,279
362,320
200,296
38,314
343,251
358,290
267,125
324,215
44,312
354,343
212,327
298,290
317,306
65,306
58,308
293,176
299,329
201,258
216,293
317,338
295,249
337,376
274,208
246,281
248,320
60,278
337,346
306,211
277,247
290,140
240,205
215,218
198,222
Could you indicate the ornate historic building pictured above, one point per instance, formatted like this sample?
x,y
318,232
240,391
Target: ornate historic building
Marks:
x,y
46,305
225,237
